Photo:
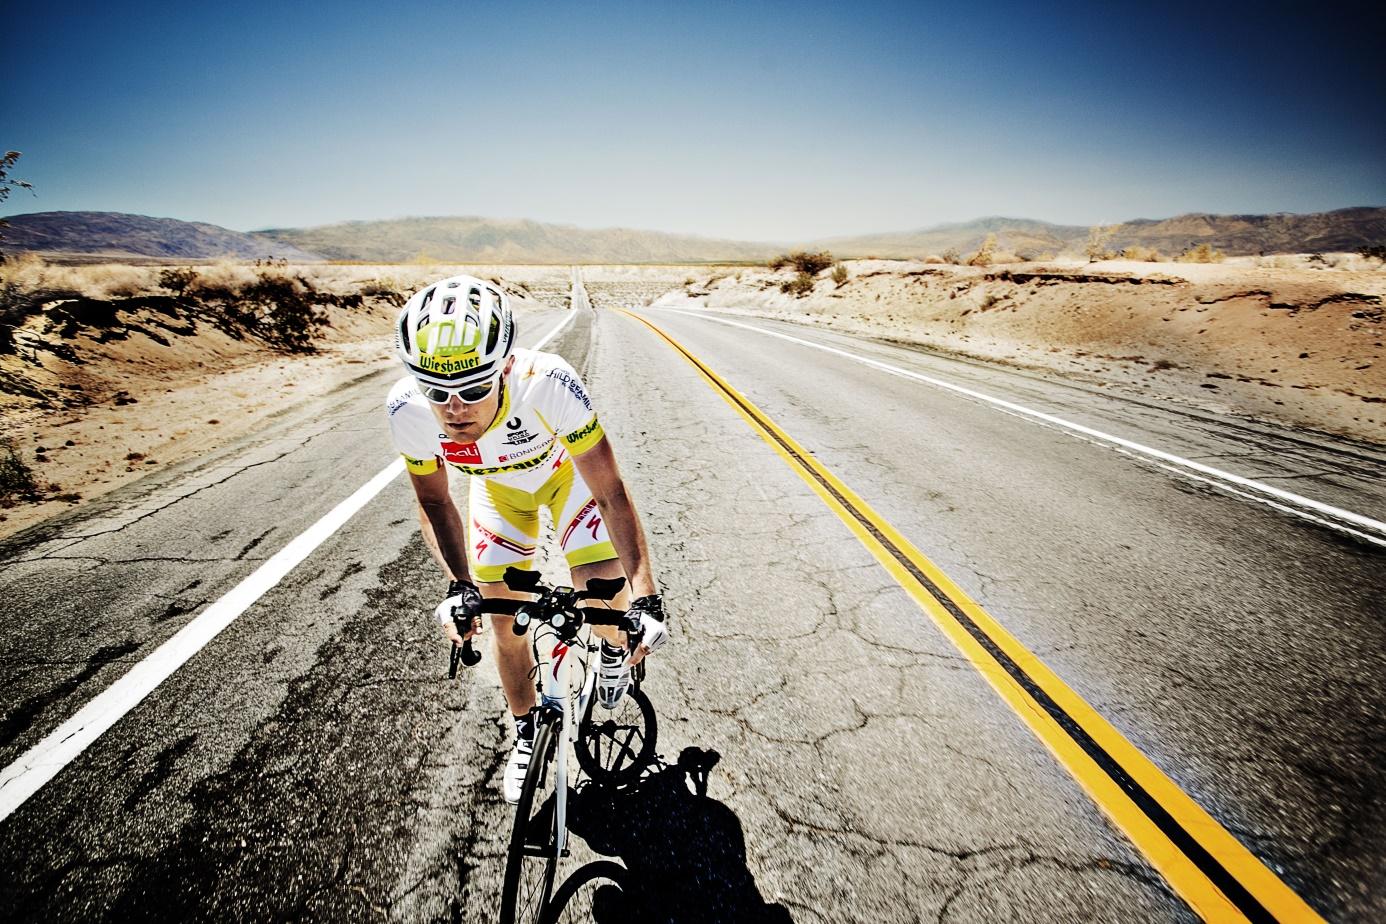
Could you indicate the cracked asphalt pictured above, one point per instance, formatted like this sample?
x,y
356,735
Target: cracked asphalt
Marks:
x,y
313,761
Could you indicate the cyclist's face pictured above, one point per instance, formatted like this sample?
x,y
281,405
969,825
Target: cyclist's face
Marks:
x,y
464,423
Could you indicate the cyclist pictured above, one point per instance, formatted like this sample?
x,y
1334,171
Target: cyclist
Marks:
x,y
520,423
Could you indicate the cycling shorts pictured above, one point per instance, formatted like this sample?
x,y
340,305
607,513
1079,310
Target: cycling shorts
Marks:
x,y
503,523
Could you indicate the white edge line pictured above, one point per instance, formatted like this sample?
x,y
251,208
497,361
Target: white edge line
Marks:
x,y
41,763
1279,493
27,774
572,316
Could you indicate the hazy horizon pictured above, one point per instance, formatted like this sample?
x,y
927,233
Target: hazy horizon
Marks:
x,y
674,231
775,123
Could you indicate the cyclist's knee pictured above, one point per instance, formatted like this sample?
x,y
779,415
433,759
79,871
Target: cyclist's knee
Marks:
x,y
502,630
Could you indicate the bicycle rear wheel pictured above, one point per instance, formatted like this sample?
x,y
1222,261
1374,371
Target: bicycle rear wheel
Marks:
x,y
533,854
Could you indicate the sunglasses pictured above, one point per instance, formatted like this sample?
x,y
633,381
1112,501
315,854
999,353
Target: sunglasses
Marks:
x,y
469,394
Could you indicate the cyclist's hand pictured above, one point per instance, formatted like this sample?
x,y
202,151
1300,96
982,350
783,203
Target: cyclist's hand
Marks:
x,y
461,608
652,625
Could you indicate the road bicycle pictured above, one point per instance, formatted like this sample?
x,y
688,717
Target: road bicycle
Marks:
x,y
612,747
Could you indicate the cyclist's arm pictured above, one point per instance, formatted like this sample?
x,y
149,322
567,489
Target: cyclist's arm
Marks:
x,y
441,523
598,468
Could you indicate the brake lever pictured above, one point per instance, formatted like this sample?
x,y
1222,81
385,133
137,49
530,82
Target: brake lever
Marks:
x,y
635,633
464,653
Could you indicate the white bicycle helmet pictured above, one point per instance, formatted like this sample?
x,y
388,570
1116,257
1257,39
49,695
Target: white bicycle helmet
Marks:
x,y
456,332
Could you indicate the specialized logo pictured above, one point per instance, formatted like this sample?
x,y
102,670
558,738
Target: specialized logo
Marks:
x,y
594,524
560,651
461,453
488,539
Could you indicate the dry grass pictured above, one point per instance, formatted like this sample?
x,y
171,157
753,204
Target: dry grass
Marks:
x,y
1203,253
29,273
986,254
1098,237
1145,254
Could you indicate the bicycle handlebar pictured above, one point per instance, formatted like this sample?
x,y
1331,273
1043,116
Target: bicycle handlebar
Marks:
x,y
558,606
553,602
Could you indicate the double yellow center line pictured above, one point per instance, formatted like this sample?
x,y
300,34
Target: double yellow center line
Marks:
x,y
1209,868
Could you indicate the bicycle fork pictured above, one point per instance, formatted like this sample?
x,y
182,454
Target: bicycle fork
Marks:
x,y
554,697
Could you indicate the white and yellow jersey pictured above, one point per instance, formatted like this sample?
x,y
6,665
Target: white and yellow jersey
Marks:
x,y
545,416
522,462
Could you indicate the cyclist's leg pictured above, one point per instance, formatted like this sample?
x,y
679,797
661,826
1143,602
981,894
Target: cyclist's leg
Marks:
x,y
503,528
582,535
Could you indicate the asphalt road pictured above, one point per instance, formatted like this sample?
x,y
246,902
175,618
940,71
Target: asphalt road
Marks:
x,y
312,761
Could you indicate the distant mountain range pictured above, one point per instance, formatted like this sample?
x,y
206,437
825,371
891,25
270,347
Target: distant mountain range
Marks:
x,y
119,236
490,240
1234,235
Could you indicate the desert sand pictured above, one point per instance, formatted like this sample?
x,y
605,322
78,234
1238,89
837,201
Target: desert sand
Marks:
x,y
1285,341
100,408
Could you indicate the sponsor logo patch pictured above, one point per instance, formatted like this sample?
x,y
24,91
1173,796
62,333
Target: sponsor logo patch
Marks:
x,y
577,437
573,386
461,453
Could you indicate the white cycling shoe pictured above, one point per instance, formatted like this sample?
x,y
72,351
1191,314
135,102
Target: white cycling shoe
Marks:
x,y
613,676
516,768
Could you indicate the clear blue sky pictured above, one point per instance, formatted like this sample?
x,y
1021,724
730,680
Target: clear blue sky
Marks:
x,y
747,120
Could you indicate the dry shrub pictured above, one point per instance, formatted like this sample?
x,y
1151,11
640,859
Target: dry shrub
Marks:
x,y
16,477
986,254
1096,247
952,256
384,288
1203,253
1146,254
803,261
840,275
933,258
799,286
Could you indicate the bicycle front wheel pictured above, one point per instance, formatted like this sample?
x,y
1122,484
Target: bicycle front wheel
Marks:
x,y
533,855
615,747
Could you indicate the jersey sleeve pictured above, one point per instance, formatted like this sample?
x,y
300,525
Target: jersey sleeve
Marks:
x,y
413,436
567,410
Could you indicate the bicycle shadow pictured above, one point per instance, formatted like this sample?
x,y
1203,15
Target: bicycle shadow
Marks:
x,y
684,852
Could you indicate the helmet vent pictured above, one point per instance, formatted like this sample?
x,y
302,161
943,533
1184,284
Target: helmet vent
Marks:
x,y
493,333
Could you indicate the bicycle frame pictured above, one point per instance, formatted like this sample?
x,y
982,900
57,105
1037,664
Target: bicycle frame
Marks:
x,y
555,697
